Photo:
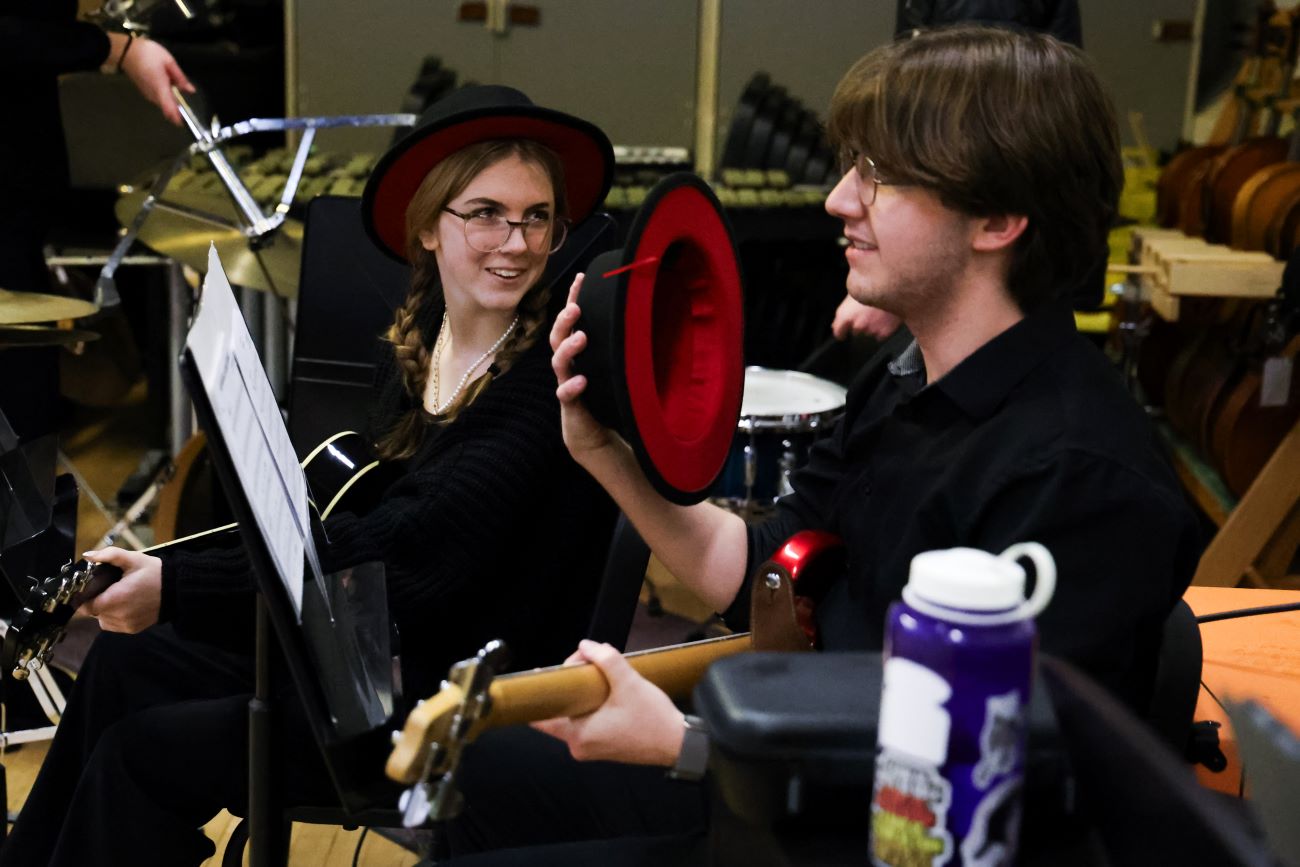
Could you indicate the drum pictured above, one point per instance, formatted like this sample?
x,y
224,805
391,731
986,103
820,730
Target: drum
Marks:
x,y
782,413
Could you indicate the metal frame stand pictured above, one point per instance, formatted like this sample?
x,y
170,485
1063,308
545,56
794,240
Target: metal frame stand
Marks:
x,y
268,838
268,843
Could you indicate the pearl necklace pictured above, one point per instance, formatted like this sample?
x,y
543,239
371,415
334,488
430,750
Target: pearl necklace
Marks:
x,y
438,406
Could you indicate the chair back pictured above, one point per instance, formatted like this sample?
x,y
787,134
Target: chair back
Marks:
x,y
1178,678
620,588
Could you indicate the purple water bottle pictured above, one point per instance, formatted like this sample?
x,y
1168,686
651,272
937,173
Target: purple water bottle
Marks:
x,y
958,663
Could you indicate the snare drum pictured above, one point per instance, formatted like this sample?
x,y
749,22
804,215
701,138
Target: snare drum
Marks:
x,y
782,413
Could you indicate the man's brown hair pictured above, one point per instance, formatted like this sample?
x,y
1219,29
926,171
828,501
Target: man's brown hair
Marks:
x,y
994,122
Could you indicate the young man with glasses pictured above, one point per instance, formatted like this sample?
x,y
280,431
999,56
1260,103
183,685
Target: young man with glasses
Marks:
x,y
982,170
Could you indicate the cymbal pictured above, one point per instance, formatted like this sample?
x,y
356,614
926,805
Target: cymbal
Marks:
x,y
19,308
13,336
185,237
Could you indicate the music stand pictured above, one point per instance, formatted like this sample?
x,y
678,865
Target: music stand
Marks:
x,y
336,653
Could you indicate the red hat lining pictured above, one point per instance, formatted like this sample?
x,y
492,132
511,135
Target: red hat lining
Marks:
x,y
684,372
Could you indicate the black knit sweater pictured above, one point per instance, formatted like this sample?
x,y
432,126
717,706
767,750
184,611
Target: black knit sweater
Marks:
x,y
492,531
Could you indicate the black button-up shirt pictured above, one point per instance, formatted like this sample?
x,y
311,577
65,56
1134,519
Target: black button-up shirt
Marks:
x,y
1031,438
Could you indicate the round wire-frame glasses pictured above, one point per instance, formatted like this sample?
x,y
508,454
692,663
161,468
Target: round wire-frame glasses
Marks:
x,y
487,233
868,175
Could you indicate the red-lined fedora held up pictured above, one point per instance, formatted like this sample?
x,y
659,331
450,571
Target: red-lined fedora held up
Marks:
x,y
665,328
468,116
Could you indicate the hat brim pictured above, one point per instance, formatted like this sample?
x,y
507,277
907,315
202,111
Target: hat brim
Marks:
x,y
665,329
584,151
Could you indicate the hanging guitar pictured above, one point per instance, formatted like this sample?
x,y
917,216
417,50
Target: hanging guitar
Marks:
x,y
1180,186
1256,413
426,754
341,476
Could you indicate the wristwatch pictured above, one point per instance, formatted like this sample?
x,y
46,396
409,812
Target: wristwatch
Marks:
x,y
693,760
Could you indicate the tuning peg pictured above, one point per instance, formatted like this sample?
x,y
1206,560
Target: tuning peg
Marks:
x,y
447,801
495,655
414,805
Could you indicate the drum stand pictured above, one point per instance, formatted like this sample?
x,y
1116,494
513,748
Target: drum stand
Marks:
x,y
750,507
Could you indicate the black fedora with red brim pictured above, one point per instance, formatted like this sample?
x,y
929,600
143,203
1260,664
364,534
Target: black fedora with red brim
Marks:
x,y
664,321
471,115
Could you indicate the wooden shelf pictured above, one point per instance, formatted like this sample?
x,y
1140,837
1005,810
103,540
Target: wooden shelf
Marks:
x,y
1171,265
1257,541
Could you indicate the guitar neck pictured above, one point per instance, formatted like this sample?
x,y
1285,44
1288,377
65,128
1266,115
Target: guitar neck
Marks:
x,y
573,690
436,729
544,693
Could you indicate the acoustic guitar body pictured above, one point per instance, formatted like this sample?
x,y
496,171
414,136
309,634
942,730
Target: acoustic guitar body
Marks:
x,y
1232,169
1246,434
1203,381
1156,354
1174,184
1186,376
192,500
1284,227
1219,371
1259,197
1251,433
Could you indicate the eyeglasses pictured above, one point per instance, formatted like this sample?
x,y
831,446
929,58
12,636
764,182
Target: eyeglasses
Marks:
x,y
487,232
868,174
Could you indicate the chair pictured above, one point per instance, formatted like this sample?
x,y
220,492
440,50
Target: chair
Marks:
x,y
1178,679
1144,803
625,565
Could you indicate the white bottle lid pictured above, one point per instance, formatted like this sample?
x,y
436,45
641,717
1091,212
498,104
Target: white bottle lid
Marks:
x,y
967,585
967,578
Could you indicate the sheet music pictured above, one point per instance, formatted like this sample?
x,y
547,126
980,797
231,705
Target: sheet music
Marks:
x,y
246,411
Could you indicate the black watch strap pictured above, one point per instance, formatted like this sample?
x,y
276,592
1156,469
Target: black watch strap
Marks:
x,y
693,760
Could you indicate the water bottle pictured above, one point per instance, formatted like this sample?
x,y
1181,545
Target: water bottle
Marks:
x,y
958,664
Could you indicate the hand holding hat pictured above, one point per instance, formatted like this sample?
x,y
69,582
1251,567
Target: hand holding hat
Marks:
x,y
659,357
582,432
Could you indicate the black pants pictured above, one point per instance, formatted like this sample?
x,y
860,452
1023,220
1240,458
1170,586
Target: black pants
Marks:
x,y
528,802
153,743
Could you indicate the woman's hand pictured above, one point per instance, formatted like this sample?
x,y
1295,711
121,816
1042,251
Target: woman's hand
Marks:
x,y
582,433
132,603
152,70
637,724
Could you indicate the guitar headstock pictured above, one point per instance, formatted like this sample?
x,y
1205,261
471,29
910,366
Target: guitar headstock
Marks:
x,y
426,753
420,741
42,618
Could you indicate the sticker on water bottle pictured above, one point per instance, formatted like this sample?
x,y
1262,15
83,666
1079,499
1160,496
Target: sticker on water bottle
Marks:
x,y
909,814
999,738
994,827
910,798
995,823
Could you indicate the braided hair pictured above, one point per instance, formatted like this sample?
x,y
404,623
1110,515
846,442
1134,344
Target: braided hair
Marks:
x,y
443,183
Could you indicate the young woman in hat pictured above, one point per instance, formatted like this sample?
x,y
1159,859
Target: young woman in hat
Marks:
x,y
153,742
